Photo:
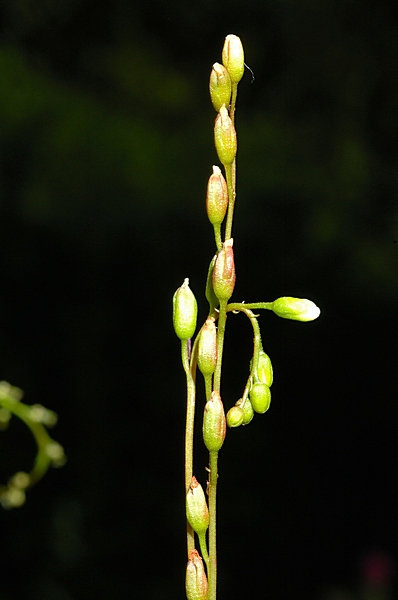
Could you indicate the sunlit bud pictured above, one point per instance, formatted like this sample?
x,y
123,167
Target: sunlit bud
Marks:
x,y
214,424
235,416
185,311
195,578
233,57
298,309
216,197
210,295
220,86
225,137
207,350
196,507
264,369
247,408
224,275
260,397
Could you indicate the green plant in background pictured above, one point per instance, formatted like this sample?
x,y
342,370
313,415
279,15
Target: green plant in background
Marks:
x,y
207,350
49,452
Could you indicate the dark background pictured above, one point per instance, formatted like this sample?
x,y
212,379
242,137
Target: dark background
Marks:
x,y
106,146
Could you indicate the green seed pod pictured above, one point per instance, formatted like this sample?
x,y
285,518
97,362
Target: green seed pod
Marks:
x,y
214,424
260,397
264,369
298,309
235,416
195,578
224,275
216,197
207,349
225,137
248,412
220,86
196,508
233,57
185,311
210,295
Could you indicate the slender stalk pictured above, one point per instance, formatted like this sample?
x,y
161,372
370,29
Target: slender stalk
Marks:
x,y
212,568
189,430
234,306
222,318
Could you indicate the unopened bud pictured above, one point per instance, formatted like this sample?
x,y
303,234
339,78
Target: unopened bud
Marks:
x,y
264,369
214,424
195,578
224,275
260,397
185,311
207,350
233,57
248,412
220,86
196,508
298,309
225,137
216,197
210,295
235,416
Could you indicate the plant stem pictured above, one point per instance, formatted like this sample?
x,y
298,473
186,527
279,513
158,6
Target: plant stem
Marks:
x,y
222,318
253,305
212,569
189,429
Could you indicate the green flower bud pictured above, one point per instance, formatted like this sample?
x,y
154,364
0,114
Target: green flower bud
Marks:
x,y
260,397
196,508
216,197
214,424
298,309
235,416
195,578
225,137
220,86
207,350
210,295
264,369
248,412
233,57
185,311
224,276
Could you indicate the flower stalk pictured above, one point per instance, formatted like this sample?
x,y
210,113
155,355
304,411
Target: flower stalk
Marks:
x,y
208,346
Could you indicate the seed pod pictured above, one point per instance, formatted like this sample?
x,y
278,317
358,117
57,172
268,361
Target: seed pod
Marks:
x,y
185,311
224,275
214,424
298,309
196,508
220,86
210,295
195,578
225,137
216,197
235,416
248,412
260,397
264,369
233,57
207,349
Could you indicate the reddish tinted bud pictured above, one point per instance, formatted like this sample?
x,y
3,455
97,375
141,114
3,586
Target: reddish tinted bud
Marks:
x,y
207,351
216,197
214,424
224,275
196,507
195,578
